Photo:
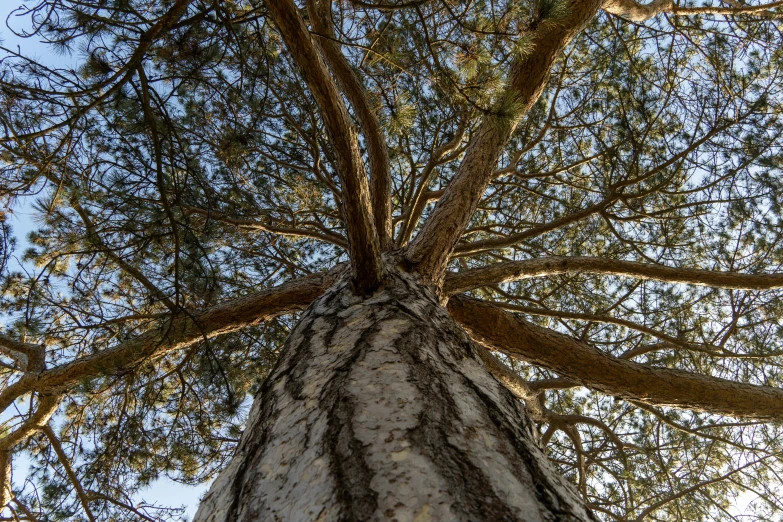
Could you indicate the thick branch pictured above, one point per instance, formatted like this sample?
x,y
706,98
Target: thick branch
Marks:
x,y
173,335
38,418
430,250
28,356
364,245
380,174
6,494
534,399
547,266
576,360
508,378
637,12
275,226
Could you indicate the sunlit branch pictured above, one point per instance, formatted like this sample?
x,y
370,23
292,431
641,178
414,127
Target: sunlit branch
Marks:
x,y
364,244
552,384
28,356
588,366
430,251
636,11
320,14
5,477
518,386
549,266
37,418
486,245
534,399
639,12
615,194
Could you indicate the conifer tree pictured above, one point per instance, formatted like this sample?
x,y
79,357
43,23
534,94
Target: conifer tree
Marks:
x,y
486,260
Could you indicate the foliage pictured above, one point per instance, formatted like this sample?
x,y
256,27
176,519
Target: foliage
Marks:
x,y
176,168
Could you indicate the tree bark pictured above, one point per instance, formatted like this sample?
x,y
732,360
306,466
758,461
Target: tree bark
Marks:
x,y
457,282
578,361
637,12
364,244
381,409
430,251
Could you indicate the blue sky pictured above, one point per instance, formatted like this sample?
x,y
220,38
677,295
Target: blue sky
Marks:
x,y
163,492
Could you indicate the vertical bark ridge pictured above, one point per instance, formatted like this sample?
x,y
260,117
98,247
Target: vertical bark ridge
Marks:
x,y
363,241
380,409
461,474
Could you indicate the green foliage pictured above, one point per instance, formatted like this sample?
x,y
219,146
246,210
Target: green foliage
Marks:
x,y
212,176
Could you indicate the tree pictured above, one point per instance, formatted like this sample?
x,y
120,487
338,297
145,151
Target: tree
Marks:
x,y
491,233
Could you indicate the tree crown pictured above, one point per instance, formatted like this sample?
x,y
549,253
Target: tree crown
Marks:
x,y
602,177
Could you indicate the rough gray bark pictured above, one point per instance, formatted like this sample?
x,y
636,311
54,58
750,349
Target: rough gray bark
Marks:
x,y
364,245
380,409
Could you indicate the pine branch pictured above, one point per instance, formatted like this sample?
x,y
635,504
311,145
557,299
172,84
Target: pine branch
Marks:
x,y
638,12
320,15
119,78
275,226
549,266
504,332
431,249
36,420
364,243
175,334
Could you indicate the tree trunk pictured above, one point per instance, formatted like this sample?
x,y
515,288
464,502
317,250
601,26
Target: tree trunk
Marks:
x,y
380,409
